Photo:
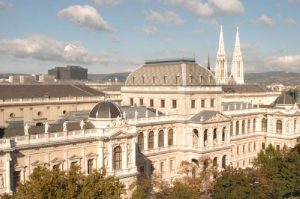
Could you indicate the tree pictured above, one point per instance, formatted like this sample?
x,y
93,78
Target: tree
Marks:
x,y
72,184
239,184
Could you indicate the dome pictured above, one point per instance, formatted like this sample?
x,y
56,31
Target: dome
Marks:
x,y
105,110
173,72
284,99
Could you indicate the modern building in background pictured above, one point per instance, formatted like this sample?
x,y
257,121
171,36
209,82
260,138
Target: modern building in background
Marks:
x,y
69,73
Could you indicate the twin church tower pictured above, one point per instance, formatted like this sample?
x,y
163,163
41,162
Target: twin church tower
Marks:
x,y
237,67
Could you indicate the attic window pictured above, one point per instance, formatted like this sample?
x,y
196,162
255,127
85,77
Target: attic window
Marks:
x,y
165,79
11,115
133,79
177,79
201,78
143,79
39,113
153,79
191,79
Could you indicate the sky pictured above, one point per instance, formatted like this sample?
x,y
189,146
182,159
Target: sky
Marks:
x,y
109,36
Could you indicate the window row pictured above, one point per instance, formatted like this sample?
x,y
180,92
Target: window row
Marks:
x,y
161,139
151,103
203,103
195,136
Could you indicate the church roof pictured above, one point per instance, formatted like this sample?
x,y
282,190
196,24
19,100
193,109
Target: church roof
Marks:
x,y
173,72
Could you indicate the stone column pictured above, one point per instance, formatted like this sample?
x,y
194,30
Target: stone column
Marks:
x,y
219,135
133,142
201,138
110,157
174,137
125,156
227,137
165,137
155,139
146,141
100,163
210,137
9,173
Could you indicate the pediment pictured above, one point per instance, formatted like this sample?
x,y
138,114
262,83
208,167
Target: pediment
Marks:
x,y
119,134
37,163
74,157
218,117
57,160
91,155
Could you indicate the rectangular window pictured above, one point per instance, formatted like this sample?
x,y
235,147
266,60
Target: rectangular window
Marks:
x,y
162,103
90,166
141,101
172,167
131,101
162,168
202,103
177,79
237,150
212,103
254,146
174,103
278,147
193,103
263,145
151,102
243,148
249,147
17,177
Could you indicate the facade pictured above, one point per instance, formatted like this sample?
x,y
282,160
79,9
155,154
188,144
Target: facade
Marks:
x,y
69,73
171,111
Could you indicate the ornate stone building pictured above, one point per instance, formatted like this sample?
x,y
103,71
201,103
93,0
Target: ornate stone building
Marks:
x,y
171,111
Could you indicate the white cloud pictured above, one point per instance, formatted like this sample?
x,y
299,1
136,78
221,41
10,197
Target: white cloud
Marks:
x,y
167,17
107,2
289,21
211,7
149,30
86,16
40,47
266,21
6,5
286,62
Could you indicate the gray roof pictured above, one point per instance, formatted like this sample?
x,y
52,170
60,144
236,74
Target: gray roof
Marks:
x,y
284,99
141,110
171,73
243,89
8,91
105,109
203,116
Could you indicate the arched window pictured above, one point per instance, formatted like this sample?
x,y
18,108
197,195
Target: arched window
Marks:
x,y
237,127
215,134
118,158
215,162
141,140
170,137
205,164
161,138
195,164
249,126
243,127
223,161
11,115
195,137
205,137
264,125
279,126
151,140
254,125
223,134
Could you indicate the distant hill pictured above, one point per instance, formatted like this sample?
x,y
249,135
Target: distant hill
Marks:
x,y
264,78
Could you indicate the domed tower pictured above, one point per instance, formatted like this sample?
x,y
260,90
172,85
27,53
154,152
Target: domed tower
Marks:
x,y
104,113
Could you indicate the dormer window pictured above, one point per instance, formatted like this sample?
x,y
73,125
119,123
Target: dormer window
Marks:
x,y
177,79
191,79
201,79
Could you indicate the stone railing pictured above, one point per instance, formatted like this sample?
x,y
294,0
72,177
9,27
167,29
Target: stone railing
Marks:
x,y
58,137
162,118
